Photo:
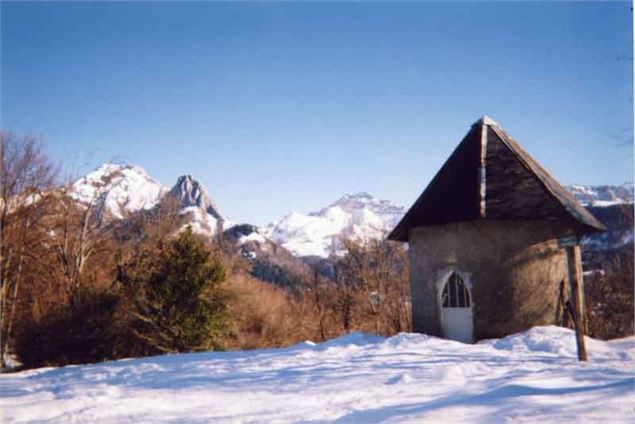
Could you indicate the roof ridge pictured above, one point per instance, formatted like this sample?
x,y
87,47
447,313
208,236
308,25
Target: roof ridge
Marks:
x,y
486,120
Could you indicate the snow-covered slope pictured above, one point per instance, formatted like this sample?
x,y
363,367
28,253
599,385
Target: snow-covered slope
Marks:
x,y
603,195
358,217
118,189
528,377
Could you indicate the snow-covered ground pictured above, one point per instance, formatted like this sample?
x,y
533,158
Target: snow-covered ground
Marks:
x,y
528,377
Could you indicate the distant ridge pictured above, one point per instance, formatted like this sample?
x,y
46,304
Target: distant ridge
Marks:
x,y
118,189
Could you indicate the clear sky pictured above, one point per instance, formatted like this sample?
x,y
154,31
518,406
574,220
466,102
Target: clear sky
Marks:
x,y
287,106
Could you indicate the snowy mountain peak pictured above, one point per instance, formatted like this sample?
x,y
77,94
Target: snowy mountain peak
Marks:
x,y
360,217
118,188
603,195
360,195
352,201
362,200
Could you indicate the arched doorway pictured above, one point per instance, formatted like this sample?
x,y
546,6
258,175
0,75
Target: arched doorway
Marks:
x,y
456,310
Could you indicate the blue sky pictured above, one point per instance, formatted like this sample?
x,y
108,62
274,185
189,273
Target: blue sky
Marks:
x,y
287,106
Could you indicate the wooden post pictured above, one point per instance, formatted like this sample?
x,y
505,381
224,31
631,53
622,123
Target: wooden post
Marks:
x,y
576,284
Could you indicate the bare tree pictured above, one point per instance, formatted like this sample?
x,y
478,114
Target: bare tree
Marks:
x,y
77,234
26,175
372,288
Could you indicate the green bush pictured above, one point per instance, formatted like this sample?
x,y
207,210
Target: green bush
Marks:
x,y
179,304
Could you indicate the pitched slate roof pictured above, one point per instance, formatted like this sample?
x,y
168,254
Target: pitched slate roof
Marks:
x,y
490,177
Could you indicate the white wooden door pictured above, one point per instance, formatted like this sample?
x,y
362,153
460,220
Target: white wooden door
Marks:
x,y
456,310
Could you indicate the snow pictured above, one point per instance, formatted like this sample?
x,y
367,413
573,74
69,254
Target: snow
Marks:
x,y
614,238
360,217
201,222
119,188
255,236
250,254
603,195
528,377
605,203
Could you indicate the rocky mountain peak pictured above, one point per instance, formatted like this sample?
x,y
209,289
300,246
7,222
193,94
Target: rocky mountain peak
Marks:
x,y
191,193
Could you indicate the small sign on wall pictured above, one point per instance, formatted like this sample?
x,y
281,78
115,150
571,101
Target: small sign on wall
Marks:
x,y
569,241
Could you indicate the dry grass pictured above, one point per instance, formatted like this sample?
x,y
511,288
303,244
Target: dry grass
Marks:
x,y
266,316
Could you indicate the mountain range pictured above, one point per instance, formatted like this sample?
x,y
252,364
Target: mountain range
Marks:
x,y
119,189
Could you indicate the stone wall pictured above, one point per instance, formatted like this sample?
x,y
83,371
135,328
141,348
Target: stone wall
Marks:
x,y
514,271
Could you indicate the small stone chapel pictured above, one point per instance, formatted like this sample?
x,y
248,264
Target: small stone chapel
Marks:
x,y
488,241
